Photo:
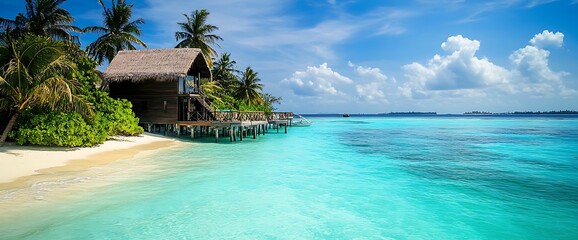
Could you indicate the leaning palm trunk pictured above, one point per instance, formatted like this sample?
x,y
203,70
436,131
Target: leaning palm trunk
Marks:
x,y
34,77
8,128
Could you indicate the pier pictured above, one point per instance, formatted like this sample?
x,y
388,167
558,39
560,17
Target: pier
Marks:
x,y
235,125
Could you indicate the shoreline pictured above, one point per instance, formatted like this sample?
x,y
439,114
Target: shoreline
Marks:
x,y
21,164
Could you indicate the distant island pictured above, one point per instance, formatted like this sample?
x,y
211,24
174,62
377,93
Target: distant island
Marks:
x,y
524,112
409,113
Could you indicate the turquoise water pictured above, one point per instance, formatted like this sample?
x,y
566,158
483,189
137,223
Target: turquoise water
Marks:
x,y
342,178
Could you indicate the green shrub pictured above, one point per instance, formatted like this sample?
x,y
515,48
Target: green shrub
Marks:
x,y
112,117
58,129
116,116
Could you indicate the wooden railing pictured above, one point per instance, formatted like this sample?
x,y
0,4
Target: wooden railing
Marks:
x,y
208,113
279,115
240,116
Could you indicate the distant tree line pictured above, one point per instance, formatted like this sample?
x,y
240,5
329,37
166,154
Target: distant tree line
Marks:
x,y
524,112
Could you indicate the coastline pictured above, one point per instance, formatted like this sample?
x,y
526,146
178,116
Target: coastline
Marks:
x,y
18,163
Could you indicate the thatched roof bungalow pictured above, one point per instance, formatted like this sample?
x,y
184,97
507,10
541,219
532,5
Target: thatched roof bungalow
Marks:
x,y
156,64
161,84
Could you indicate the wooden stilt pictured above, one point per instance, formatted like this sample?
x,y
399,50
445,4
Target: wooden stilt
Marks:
x,y
216,130
254,132
241,134
230,134
285,128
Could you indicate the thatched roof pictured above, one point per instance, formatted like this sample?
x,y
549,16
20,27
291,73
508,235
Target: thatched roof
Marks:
x,y
157,64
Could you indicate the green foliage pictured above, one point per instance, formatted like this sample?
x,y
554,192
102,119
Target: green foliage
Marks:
x,y
34,73
224,73
41,125
248,87
112,117
233,92
118,32
42,18
57,129
116,116
196,33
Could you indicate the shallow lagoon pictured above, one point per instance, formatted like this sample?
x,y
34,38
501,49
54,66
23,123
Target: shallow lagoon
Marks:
x,y
342,178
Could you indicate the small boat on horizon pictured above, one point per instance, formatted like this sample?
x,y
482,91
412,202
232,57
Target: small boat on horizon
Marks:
x,y
345,115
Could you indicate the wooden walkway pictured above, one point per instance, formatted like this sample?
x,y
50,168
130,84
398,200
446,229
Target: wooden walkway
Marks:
x,y
236,125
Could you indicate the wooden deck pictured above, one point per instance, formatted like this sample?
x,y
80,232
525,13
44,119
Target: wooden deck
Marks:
x,y
236,125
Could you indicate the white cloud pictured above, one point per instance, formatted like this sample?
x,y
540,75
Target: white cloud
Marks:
x,y
532,69
461,69
531,64
547,38
374,85
316,81
373,73
371,92
462,73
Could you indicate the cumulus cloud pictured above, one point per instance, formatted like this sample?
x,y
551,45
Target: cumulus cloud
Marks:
x,y
461,72
372,89
531,66
321,80
461,69
370,92
547,38
373,73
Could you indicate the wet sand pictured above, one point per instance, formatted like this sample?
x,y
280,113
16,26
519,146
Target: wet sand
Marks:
x,y
22,165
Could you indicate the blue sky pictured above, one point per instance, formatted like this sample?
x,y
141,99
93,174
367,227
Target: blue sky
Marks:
x,y
370,56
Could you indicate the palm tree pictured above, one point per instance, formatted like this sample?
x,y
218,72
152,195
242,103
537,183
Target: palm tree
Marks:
x,y
33,76
269,100
196,33
213,91
224,71
118,32
44,18
248,87
13,28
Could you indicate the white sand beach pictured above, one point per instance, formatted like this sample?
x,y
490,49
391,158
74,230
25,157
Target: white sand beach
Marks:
x,y
22,161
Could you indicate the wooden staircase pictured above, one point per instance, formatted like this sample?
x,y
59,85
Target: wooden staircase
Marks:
x,y
205,114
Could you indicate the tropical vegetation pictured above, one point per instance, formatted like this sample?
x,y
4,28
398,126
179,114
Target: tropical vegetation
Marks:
x,y
236,90
34,76
49,92
118,32
196,33
43,18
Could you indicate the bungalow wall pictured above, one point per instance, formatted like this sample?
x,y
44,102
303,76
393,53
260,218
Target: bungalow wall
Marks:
x,y
152,101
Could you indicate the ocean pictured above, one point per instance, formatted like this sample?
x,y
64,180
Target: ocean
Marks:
x,y
363,177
